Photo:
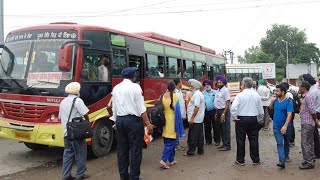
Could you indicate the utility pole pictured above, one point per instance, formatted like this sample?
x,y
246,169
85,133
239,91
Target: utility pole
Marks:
x,y
1,23
230,53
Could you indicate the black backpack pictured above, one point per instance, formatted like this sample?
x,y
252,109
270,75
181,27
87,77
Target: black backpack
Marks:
x,y
296,103
156,114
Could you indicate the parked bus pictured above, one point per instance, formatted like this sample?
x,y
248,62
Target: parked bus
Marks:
x,y
236,72
38,62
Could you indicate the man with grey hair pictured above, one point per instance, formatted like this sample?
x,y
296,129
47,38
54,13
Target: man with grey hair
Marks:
x,y
247,112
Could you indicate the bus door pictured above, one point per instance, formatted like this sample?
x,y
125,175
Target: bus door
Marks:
x,y
137,61
95,76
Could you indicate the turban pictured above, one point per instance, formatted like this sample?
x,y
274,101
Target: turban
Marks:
x,y
73,88
222,79
309,78
205,82
261,81
196,84
129,72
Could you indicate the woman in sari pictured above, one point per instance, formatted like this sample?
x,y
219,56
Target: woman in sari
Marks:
x,y
173,128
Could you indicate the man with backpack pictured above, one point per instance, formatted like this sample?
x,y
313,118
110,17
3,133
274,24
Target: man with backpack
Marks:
x,y
316,95
282,123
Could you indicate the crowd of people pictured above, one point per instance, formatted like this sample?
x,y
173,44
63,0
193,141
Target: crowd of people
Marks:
x,y
209,113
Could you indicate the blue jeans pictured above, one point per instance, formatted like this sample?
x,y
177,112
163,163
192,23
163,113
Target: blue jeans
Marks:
x,y
75,150
283,142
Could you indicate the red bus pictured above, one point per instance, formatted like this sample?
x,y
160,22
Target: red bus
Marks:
x,y
38,62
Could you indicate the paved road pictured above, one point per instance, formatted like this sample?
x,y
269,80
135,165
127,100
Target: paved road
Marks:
x,y
213,165
16,157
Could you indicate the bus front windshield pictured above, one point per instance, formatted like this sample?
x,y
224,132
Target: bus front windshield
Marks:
x,y
31,58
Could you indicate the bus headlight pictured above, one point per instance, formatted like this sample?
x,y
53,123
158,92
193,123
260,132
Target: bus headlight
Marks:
x,y
52,117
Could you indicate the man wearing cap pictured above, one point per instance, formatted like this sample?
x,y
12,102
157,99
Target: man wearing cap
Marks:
x,y
129,114
74,150
264,93
209,122
196,108
222,104
314,91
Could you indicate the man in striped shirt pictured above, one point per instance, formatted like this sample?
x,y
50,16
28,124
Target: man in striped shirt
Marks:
x,y
308,119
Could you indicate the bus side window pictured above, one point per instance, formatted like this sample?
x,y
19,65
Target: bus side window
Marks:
x,y
181,70
188,66
199,70
119,61
155,66
210,72
172,67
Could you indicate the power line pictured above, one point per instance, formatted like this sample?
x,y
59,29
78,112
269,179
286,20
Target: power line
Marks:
x,y
166,7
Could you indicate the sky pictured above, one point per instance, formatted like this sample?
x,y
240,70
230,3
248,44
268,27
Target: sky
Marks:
x,y
220,25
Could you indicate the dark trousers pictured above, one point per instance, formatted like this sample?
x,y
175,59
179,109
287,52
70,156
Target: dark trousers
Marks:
x,y
224,128
293,130
74,150
130,134
317,140
248,125
195,138
209,125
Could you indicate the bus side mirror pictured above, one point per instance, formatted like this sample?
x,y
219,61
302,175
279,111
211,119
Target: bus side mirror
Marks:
x,y
65,57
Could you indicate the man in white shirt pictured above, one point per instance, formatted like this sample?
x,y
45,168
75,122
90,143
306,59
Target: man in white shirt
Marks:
x,y
182,107
247,112
222,104
264,93
196,108
74,150
129,114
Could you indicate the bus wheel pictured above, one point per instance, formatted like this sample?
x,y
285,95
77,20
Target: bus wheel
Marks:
x,y
36,146
102,138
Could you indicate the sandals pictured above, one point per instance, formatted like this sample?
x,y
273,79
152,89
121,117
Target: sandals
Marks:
x,y
173,163
164,165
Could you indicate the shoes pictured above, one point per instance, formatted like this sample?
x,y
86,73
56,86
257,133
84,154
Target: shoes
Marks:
x,y
306,165
288,159
85,176
281,165
220,147
256,163
71,178
186,154
240,163
216,144
224,148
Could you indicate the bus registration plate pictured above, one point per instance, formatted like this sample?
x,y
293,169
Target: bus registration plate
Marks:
x,y
21,135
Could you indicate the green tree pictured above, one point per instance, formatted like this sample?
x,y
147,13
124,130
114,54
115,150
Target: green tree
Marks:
x,y
241,60
273,49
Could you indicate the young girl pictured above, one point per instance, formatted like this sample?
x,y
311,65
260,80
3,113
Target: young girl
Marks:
x,y
173,129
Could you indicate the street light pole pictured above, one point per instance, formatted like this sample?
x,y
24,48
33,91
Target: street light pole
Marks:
x,y
287,70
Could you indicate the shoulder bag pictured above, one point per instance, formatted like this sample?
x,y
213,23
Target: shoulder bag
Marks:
x,y
78,128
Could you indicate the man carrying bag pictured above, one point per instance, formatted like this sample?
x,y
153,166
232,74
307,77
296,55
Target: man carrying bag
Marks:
x,y
72,108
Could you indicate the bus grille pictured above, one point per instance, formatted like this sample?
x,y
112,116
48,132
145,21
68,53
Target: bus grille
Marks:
x,y
25,111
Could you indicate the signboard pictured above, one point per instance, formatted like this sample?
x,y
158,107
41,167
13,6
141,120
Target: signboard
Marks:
x,y
268,70
44,79
41,34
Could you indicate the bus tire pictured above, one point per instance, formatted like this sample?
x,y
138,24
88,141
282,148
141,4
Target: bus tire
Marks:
x,y
102,138
36,146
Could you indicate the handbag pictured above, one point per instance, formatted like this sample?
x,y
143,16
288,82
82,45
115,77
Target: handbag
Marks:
x,y
78,128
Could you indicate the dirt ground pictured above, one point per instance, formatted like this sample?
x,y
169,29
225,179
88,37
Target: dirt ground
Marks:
x,y
213,165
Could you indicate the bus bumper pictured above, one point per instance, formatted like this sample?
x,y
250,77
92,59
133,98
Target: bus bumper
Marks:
x,y
39,134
